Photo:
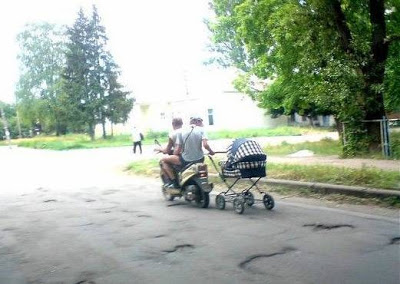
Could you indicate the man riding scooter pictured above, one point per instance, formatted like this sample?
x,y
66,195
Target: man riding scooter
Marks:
x,y
188,149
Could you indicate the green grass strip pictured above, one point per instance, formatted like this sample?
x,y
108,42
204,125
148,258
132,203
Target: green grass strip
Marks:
x,y
366,176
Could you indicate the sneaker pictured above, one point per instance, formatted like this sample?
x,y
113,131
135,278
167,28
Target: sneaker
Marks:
x,y
172,189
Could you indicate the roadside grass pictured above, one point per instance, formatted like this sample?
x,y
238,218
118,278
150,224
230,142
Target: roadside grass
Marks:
x,y
325,147
82,141
72,141
265,132
367,177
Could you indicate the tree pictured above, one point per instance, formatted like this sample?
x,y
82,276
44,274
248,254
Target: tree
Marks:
x,y
11,118
91,76
38,89
333,56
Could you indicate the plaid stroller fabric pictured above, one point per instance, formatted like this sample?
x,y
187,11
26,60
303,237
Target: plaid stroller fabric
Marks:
x,y
245,159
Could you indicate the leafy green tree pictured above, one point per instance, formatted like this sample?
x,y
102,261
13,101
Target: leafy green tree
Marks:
x,y
118,104
323,56
91,76
42,48
13,123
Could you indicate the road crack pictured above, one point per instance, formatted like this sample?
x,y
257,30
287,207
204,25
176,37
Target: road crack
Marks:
x,y
244,264
179,247
320,227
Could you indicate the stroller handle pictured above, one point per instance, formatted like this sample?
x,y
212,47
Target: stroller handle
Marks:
x,y
220,152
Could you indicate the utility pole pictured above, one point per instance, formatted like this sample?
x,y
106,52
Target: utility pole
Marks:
x,y
5,125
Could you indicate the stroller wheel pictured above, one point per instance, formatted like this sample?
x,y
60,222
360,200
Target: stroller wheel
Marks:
x,y
268,201
238,205
249,197
220,202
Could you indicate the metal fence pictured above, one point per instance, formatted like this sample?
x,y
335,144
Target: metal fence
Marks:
x,y
387,126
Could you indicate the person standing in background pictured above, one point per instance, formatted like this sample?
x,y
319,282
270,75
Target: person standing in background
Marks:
x,y
137,139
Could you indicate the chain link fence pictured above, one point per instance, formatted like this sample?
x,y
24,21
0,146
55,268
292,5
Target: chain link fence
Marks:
x,y
389,129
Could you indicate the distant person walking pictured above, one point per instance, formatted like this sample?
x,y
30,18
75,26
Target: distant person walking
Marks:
x,y
137,138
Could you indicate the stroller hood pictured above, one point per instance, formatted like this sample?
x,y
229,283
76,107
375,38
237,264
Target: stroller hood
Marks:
x,y
244,150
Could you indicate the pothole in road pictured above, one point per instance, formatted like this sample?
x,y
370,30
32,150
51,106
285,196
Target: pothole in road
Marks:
x,y
86,282
179,248
175,204
143,216
395,241
246,264
320,227
159,236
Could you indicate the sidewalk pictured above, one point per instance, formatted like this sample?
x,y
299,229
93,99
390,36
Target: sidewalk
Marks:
x,y
393,165
388,165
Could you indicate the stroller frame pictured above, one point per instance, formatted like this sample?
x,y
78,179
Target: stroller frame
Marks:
x,y
245,197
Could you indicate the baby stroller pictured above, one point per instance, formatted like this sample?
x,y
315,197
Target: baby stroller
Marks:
x,y
245,160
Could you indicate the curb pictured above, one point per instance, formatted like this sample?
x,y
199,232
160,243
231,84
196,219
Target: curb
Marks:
x,y
333,188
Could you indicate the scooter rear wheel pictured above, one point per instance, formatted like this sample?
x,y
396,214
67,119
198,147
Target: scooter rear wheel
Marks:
x,y
202,198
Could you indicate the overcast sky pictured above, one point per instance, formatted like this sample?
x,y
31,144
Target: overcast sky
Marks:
x,y
154,42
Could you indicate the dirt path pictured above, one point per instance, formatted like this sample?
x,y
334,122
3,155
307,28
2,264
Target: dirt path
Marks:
x,y
393,165
390,165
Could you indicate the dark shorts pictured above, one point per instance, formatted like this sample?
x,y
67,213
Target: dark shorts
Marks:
x,y
185,163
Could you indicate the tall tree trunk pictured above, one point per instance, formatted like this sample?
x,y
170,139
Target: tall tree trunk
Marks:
x,y
375,72
103,124
372,73
91,131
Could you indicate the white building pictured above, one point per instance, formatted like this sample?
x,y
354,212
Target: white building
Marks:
x,y
224,110
211,96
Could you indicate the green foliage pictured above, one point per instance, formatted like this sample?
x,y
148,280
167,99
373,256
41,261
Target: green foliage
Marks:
x,y
69,80
11,118
260,132
91,77
159,135
42,48
369,177
73,141
323,147
316,57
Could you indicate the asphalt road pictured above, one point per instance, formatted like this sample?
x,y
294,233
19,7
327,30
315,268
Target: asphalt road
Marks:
x,y
73,217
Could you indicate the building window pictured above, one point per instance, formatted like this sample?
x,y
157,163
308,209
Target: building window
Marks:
x,y
162,115
210,116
